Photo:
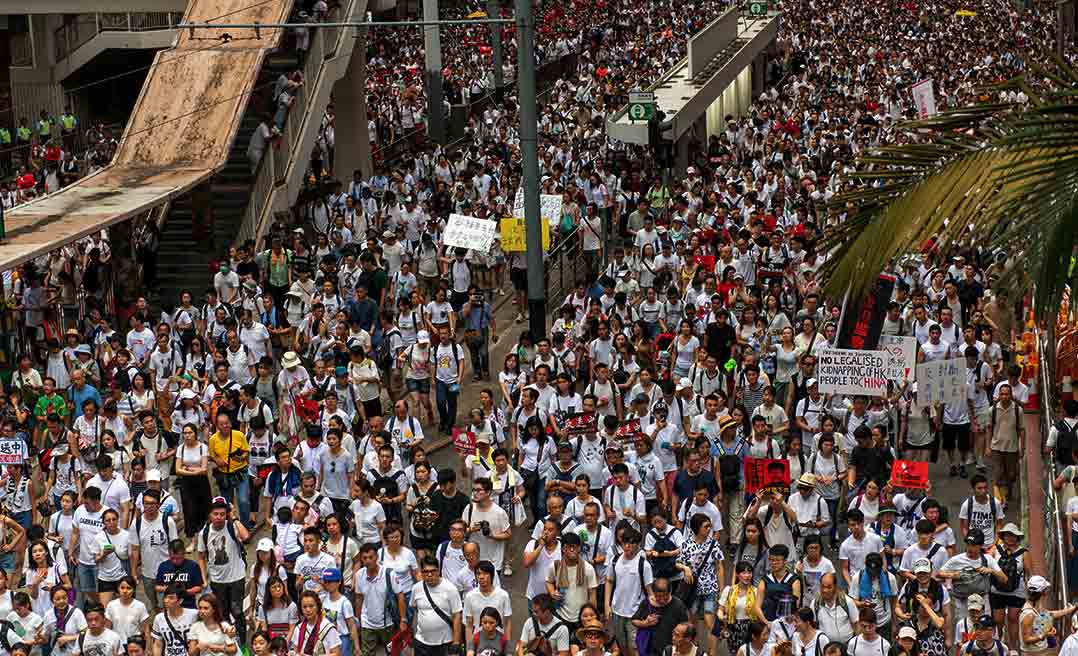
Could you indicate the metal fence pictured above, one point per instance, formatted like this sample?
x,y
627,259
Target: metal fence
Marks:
x,y
1055,555
83,27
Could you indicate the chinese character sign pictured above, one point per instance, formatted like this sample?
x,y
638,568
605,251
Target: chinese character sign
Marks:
x,y
901,356
469,232
581,423
12,452
910,474
768,474
464,442
941,381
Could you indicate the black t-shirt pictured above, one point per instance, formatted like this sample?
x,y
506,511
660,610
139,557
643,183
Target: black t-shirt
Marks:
x,y
871,463
685,484
720,341
670,616
448,509
247,268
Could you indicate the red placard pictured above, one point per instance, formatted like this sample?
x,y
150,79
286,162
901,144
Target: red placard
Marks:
x,y
463,442
581,423
626,433
910,473
705,262
769,474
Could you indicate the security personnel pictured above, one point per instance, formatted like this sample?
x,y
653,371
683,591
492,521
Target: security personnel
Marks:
x,y
23,133
44,126
68,125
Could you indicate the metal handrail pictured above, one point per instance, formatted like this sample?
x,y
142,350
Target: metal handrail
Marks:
x,y
77,33
1046,354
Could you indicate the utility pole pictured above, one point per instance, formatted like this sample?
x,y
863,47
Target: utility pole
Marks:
x,y
493,11
529,144
432,46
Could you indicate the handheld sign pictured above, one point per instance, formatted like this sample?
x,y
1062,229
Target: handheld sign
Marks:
x,y
469,232
463,442
910,474
581,423
768,474
12,452
626,433
846,371
901,356
941,381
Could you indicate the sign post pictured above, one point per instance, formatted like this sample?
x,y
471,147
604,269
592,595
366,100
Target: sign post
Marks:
x,y
641,105
758,8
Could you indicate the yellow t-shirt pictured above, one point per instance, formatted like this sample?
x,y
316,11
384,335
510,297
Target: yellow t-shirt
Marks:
x,y
240,451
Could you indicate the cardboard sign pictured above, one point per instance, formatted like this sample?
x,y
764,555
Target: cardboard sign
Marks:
x,y
910,474
469,232
515,237
941,381
845,371
581,423
768,474
12,452
463,442
924,97
901,357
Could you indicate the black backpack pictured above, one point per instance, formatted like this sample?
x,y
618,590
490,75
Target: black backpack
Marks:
x,y
1008,562
729,468
385,355
388,486
664,567
1066,443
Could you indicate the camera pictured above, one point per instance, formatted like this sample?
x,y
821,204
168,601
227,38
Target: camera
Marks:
x,y
484,527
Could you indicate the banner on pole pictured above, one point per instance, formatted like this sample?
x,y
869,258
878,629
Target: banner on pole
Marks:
x,y
910,474
470,232
845,371
768,474
901,357
549,207
863,323
515,238
925,98
941,381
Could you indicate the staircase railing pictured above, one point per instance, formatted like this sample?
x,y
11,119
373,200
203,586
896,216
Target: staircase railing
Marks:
x,y
326,43
83,27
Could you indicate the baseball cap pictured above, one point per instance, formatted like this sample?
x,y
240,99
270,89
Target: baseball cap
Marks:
x,y
1038,583
907,632
922,565
153,475
985,622
810,382
265,544
975,601
331,575
975,536
684,383
423,337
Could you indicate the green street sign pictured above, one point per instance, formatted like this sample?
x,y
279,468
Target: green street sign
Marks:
x,y
641,105
758,8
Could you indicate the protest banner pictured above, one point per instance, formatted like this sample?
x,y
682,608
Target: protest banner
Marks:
x,y
768,474
862,323
469,232
581,423
844,371
910,474
924,97
941,381
706,262
463,442
901,357
12,452
549,207
626,433
514,237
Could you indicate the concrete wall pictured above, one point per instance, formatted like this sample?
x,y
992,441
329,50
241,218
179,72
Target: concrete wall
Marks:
x,y
709,41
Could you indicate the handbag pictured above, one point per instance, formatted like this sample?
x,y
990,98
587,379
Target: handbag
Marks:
x,y
687,592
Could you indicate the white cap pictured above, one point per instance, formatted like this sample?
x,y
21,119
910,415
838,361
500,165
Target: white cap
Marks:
x,y
907,632
188,393
922,565
423,337
265,544
684,383
1038,583
153,475
810,382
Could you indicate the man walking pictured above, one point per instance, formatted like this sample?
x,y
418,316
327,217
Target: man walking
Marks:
x,y
151,533
222,559
437,611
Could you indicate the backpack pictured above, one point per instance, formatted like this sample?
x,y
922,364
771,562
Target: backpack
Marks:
x,y
639,571
388,486
730,467
970,582
1066,443
231,528
971,645
391,612
664,567
580,443
540,644
385,355
1008,562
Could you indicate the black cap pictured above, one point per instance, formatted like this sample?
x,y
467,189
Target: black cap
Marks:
x,y
975,536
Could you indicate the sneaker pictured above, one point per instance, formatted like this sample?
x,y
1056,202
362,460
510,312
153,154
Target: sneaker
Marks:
x,y
954,470
507,571
982,467
520,318
501,292
962,471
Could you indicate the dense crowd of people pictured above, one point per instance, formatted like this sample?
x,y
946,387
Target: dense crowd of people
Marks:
x,y
246,469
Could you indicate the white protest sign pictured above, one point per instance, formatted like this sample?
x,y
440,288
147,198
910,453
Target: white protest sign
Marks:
x,y
549,207
901,356
846,371
469,232
924,98
942,381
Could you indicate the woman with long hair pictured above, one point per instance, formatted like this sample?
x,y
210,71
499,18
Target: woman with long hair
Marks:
x,y
417,503
277,612
192,467
736,610
757,643
198,364
752,548
537,452
126,615
211,635
42,575
110,550
683,350
786,356
399,559
511,379
263,569
701,562
1037,631
314,635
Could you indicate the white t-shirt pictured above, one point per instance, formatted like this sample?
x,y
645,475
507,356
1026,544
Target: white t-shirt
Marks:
x,y
982,516
855,551
126,619
366,521
89,525
338,611
111,569
153,539
858,646
475,602
114,493
628,592
311,568
173,632
430,628
373,615
539,569
400,566
559,638
108,643
492,550
224,559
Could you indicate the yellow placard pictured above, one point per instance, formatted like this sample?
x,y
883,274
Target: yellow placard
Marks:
x,y
476,14
965,13
514,236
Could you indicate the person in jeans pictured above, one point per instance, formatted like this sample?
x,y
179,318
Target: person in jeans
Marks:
x,y
87,523
221,558
151,532
480,330
447,372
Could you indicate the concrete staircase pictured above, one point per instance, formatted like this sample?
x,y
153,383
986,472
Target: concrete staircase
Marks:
x,y
184,263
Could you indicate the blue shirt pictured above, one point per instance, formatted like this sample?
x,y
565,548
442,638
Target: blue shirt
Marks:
x,y
78,397
187,574
479,318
